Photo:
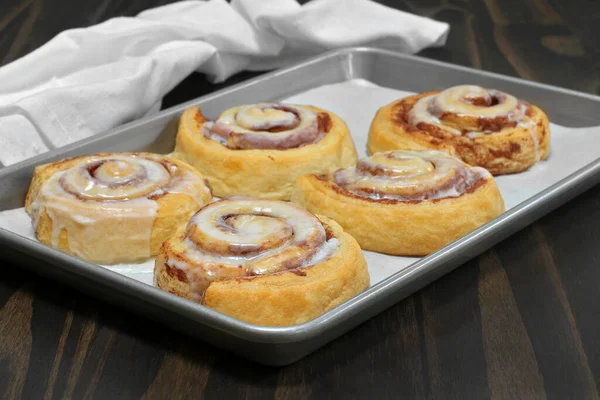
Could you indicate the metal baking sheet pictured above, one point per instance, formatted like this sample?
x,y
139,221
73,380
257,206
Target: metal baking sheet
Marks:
x,y
279,346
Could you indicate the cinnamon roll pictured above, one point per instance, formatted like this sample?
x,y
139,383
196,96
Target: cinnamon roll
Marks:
x,y
265,262
484,127
404,202
115,207
260,150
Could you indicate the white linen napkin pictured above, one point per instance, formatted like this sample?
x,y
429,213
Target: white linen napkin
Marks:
x,y
87,81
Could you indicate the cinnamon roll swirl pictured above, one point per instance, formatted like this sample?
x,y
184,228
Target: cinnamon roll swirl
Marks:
x,y
260,150
404,202
484,127
113,208
263,261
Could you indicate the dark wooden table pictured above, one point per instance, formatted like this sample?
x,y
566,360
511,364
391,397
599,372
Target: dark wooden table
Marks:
x,y
520,321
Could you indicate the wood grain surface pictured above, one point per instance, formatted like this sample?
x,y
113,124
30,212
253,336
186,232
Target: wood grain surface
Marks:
x,y
520,321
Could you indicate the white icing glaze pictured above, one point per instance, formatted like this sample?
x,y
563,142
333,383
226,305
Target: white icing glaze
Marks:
x,y
115,178
261,221
530,125
409,175
324,253
81,199
210,134
455,100
239,237
262,117
83,226
247,127
185,182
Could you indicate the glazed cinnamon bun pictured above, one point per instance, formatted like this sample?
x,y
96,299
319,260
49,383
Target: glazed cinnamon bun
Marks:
x,y
484,127
404,202
113,208
260,150
262,261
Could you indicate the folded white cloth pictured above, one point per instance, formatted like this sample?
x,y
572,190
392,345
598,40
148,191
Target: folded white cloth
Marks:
x,y
87,81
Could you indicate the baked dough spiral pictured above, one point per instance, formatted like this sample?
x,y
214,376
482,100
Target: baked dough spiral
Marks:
x,y
263,261
260,150
404,202
484,127
113,208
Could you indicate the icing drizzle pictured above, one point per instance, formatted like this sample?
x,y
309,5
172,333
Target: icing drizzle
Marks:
x,y
119,187
409,176
265,126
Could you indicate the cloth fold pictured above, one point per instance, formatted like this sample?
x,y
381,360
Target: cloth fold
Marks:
x,y
87,81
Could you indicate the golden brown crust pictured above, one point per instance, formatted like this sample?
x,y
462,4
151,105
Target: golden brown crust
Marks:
x,y
510,149
281,299
413,228
174,210
262,173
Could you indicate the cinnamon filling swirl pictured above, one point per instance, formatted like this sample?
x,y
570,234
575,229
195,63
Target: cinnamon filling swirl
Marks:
x,y
242,237
267,126
115,178
470,110
409,176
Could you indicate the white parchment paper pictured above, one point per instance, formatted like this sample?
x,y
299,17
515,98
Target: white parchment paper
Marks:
x,y
356,102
